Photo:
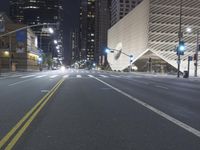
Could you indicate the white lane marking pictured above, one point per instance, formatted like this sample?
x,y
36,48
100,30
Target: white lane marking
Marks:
x,y
15,76
16,83
54,76
162,87
103,76
44,91
40,76
78,76
66,76
24,77
91,76
115,76
155,110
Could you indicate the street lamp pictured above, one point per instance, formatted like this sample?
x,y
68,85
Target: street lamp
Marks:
x,y
51,30
131,58
188,30
196,56
55,42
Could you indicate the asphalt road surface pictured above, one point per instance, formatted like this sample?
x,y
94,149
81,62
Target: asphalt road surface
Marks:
x,y
96,110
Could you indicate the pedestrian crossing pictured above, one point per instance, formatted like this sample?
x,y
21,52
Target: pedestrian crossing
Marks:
x,y
71,73
75,75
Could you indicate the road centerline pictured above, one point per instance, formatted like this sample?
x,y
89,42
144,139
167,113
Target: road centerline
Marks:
x,y
26,120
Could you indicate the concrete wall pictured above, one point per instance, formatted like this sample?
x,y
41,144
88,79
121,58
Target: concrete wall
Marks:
x,y
131,35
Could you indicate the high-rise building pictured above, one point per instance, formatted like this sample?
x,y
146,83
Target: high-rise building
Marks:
x,y
102,25
74,45
87,29
33,12
120,8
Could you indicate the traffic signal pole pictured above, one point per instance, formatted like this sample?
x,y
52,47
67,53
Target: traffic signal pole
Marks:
x,y
180,38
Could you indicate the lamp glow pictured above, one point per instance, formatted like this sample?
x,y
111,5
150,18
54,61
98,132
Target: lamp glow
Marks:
x,y
51,30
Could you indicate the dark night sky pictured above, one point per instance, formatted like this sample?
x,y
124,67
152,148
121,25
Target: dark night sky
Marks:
x,y
71,19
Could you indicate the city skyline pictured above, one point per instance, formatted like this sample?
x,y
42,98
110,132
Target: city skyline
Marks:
x,y
71,12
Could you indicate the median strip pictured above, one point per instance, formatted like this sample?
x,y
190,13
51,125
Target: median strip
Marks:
x,y
24,123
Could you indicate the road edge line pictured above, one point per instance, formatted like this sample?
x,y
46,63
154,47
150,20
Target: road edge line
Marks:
x,y
155,110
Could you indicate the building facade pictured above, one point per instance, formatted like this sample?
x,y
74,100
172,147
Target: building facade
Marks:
x,y
18,51
120,8
33,12
87,29
153,27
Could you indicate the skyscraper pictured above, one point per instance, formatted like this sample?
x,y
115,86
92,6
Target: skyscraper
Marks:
x,y
120,8
74,45
87,29
33,12
102,25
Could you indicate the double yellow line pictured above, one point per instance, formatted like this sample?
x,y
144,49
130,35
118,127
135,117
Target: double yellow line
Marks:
x,y
11,138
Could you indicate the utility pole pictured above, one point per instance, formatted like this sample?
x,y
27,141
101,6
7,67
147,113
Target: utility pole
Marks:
x,y
197,55
180,38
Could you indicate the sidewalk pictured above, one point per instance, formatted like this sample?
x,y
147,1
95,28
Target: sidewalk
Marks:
x,y
174,76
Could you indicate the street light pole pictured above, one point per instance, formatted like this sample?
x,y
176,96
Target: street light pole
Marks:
x,y
197,55
26,27
180,38
130,56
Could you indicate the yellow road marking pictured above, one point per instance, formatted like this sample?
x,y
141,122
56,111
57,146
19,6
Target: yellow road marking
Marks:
x,y
28,115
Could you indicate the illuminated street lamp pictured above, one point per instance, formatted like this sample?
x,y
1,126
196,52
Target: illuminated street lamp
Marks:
x,y
55,42
51,30
131,58
188,30
196,58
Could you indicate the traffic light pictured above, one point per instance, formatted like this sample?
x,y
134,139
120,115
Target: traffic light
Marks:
x,y
131,58
181,48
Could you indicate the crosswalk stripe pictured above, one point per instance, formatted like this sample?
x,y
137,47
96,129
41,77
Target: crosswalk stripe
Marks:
x,y
41,76
24,77
14,76
103,76
91,76
65,76
78,76
115,76
54,76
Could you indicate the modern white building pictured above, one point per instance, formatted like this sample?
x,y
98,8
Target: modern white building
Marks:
x,y
151,30
120,8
